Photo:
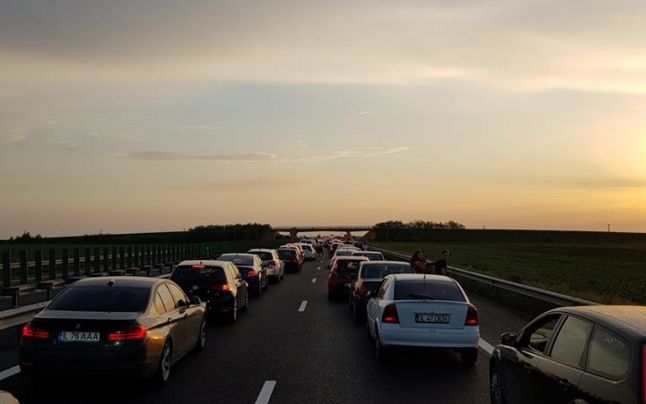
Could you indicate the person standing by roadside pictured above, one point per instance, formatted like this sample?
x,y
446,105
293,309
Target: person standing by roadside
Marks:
x,y
442,264
418,262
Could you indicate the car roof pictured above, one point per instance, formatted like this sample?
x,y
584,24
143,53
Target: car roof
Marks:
x,y
119,281
261,250
629,319
204,262
386,262
368,252
247,255
422,277
351,258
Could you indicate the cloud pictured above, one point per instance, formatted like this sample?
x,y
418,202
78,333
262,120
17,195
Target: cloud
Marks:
x,y
353,153
13,136
236,185
157,155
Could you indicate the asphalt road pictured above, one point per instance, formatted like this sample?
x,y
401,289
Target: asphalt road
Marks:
x,y
313,352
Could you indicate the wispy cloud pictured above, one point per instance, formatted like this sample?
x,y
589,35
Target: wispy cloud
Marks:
x,y
159,155
354,153
235,185
13,136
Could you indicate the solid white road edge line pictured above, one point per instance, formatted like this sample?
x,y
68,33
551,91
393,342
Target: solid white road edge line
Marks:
x,y
487,347
265,393
313,280
5,374
303,306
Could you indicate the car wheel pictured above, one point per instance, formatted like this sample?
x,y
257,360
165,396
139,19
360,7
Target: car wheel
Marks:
x,y
266,284
469,356
201,341
165,363
259,290
496,389
234,312
246,302
381,352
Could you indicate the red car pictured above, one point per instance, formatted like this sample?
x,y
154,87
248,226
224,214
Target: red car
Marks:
x,y
343,271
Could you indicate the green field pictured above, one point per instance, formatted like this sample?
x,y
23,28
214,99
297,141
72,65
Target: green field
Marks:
x,y
613,273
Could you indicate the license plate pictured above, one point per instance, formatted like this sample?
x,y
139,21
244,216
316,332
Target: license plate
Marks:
x,y
432,318
79,336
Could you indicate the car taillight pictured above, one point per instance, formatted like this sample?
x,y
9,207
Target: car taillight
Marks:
x,y
222,288
134,333
29,332
472,316
252,273
363,289
390,315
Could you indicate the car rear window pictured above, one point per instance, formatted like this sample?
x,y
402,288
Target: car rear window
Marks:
x,y
343,253
198,273
378,271
102,298
237,259
373,256
265,256
418,289
286,254
347,268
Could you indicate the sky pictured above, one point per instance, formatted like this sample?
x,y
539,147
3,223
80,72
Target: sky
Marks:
x,y
152,115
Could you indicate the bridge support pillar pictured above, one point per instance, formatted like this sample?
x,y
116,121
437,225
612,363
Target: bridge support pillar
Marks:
x,y
293,234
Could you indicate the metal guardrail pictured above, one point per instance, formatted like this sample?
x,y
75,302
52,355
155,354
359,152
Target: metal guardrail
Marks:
x,y
546,297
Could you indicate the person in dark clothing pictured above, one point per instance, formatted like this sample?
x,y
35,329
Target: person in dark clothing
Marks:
x,y
441,265
418,262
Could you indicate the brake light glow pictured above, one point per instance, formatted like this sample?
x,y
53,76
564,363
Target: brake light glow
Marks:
x,y
222,288
134,333
252,273
390,315
29,332
472,317
198,267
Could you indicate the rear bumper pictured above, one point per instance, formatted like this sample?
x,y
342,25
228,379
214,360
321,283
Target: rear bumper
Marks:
x,y
394,335
131,362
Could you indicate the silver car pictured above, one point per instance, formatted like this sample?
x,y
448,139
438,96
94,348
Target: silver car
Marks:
x,y
271,262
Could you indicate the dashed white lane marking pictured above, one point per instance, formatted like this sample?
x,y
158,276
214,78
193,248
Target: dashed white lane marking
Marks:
x,y
487,347
313,280
318,268
303,306
265,393
5,374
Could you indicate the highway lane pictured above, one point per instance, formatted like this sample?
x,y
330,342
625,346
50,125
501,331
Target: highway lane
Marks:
x,y
313,352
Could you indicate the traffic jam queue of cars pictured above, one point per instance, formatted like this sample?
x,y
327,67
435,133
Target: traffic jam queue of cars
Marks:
x,y
137,326
143,326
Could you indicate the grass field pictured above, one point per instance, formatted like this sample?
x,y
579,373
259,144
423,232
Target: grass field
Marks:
x,y
614,273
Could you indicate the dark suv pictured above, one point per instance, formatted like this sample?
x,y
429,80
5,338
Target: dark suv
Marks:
x,y
591,354
218,283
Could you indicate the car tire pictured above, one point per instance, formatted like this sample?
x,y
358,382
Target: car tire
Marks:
x,y
246,303
266,285
259,290
201,341
496,387
162,375
469,356
381,352
233,316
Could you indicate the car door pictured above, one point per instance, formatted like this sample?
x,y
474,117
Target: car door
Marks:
x,y
192,315
558,375
174,319
239,284
519,363
373,308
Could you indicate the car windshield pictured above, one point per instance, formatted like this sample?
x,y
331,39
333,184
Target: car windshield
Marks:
x,y
102,298
194,273
237,259
421,290
347,268
378,271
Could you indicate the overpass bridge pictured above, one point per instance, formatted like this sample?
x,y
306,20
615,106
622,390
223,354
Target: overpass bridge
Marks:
x,y
294,230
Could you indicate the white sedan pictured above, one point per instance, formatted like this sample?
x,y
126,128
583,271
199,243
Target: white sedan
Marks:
x,y
425,311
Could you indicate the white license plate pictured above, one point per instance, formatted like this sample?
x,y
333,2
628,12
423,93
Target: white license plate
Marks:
x,y
79,336
432,318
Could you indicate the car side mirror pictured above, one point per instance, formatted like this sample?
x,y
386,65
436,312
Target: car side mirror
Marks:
x,y
508,339
196,300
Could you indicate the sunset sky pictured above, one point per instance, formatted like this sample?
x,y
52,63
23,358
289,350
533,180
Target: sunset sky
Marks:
x,y
147,115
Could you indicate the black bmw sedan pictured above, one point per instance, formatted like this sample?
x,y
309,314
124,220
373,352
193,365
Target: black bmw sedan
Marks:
x,y
122,325
582,355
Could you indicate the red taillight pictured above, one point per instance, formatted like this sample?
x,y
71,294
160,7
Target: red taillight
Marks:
x,y
390,315
252,273
29,332
472,316
363,289
198,267
222,288
134,333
